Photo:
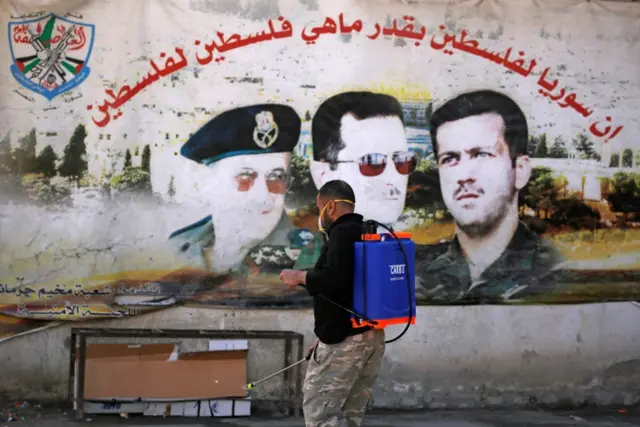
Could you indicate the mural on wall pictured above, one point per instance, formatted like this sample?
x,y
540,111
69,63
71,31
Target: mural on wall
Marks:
x,y
184,170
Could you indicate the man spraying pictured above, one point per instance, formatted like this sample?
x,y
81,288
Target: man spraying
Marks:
x,y
346,361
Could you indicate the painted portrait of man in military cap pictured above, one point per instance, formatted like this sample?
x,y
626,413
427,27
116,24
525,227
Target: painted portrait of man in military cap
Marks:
x,y
247,152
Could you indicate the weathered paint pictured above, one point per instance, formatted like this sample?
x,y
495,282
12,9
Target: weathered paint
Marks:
x,y
110,243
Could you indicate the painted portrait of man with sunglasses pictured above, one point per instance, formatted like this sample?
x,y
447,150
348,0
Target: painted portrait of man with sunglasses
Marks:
x,y
359,137
246,152
480,143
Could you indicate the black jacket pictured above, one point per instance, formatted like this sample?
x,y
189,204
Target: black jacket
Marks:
x,y
332,276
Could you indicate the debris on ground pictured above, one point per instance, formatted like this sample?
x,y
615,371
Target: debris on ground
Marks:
x,y
22,410
14,411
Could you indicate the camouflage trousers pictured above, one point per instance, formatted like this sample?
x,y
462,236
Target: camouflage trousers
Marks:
x,y
340,379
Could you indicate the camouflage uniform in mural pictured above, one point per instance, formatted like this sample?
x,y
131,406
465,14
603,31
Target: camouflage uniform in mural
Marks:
x,y
310,252
523,270
279,250
327,387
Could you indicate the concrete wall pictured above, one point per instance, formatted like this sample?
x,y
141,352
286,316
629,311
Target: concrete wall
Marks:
x,y
465,356
454,357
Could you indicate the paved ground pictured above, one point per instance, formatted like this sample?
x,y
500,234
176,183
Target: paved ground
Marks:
x,y
36,416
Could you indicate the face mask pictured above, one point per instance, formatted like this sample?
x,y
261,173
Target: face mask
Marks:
x,y
320,227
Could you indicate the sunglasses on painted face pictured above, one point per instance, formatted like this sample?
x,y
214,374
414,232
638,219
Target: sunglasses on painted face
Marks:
x,y
277,180
374,164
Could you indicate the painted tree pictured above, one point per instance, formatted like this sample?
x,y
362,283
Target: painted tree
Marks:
x,y
627,158
6,164
74,164
541,148
584,147
559,149
614,162
624,196
146,158
541,193
532,146
575,213
25,155
127,159
47,162
10,182
301,190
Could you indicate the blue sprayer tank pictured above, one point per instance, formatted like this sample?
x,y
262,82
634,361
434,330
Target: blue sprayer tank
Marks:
x,y
381,292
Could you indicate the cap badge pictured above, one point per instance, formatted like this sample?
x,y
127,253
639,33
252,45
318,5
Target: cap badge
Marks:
x,y
266,130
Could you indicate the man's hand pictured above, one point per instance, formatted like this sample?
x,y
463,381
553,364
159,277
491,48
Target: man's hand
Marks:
x,y
293,278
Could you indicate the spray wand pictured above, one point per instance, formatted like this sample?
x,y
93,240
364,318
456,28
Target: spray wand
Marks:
x,y
306,359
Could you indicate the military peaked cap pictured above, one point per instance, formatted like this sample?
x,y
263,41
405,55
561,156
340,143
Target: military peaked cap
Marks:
x,y
255,129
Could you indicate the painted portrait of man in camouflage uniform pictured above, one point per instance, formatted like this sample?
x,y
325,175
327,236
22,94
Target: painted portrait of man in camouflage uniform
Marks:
x,y
480,144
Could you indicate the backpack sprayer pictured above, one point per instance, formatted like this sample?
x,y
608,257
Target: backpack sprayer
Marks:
x,y
381,264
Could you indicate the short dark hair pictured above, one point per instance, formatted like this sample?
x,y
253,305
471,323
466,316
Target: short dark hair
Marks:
x,y
337,190
325,126
516,132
